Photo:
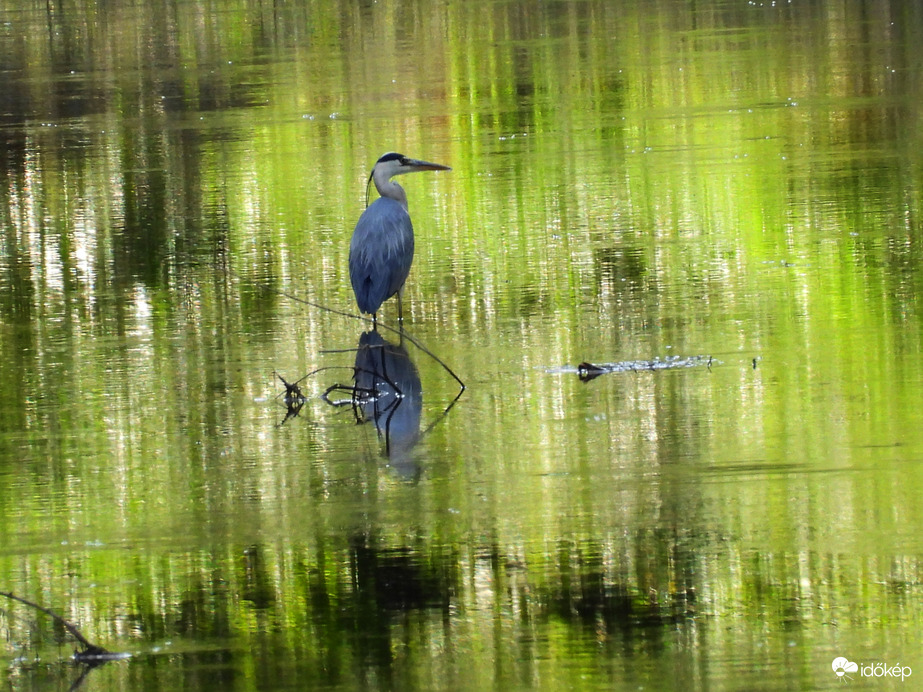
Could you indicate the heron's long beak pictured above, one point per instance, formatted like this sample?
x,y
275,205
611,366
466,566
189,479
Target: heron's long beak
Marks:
x,y
413,165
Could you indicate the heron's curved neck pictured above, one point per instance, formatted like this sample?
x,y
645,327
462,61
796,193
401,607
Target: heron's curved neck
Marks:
x,y
388,188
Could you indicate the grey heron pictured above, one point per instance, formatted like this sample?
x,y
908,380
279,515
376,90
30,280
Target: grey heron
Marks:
x,y
381,250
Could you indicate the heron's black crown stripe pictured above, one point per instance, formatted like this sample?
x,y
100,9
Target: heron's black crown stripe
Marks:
x,y
391,156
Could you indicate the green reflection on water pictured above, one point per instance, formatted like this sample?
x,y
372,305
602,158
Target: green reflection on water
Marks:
x,y
627,183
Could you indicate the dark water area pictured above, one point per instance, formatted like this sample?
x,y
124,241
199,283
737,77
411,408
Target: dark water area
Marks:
x,y
676,264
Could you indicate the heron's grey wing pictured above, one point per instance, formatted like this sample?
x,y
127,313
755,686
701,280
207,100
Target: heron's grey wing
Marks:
x,y
380,253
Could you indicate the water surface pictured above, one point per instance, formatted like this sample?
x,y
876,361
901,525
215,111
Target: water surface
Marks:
x,y
739,185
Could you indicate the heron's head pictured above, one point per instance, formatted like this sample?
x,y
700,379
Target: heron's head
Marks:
x,y
392,164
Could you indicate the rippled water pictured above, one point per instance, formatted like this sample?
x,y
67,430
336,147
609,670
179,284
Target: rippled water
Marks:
x,y
677,265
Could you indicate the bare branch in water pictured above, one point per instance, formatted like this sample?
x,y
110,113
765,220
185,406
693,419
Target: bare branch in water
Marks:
x,y
378,325
91,653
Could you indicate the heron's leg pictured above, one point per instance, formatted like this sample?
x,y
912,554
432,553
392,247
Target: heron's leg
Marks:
x,y
400,304
375,321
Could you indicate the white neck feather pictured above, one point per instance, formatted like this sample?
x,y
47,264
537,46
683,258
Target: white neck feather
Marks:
x,y
387,187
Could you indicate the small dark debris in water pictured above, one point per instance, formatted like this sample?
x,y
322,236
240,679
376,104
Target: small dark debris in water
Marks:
x,y
293,392
294,398
590,371
96,655
755,361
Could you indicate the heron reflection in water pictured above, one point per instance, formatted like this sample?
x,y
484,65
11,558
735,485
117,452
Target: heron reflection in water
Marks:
x,y
385,369
386,390
381,250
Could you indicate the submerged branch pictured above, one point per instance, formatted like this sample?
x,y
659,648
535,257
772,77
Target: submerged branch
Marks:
x,y
68,625
399,331
91,653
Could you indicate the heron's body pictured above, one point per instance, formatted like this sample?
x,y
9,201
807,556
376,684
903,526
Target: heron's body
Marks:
x,y
380,253
381,250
